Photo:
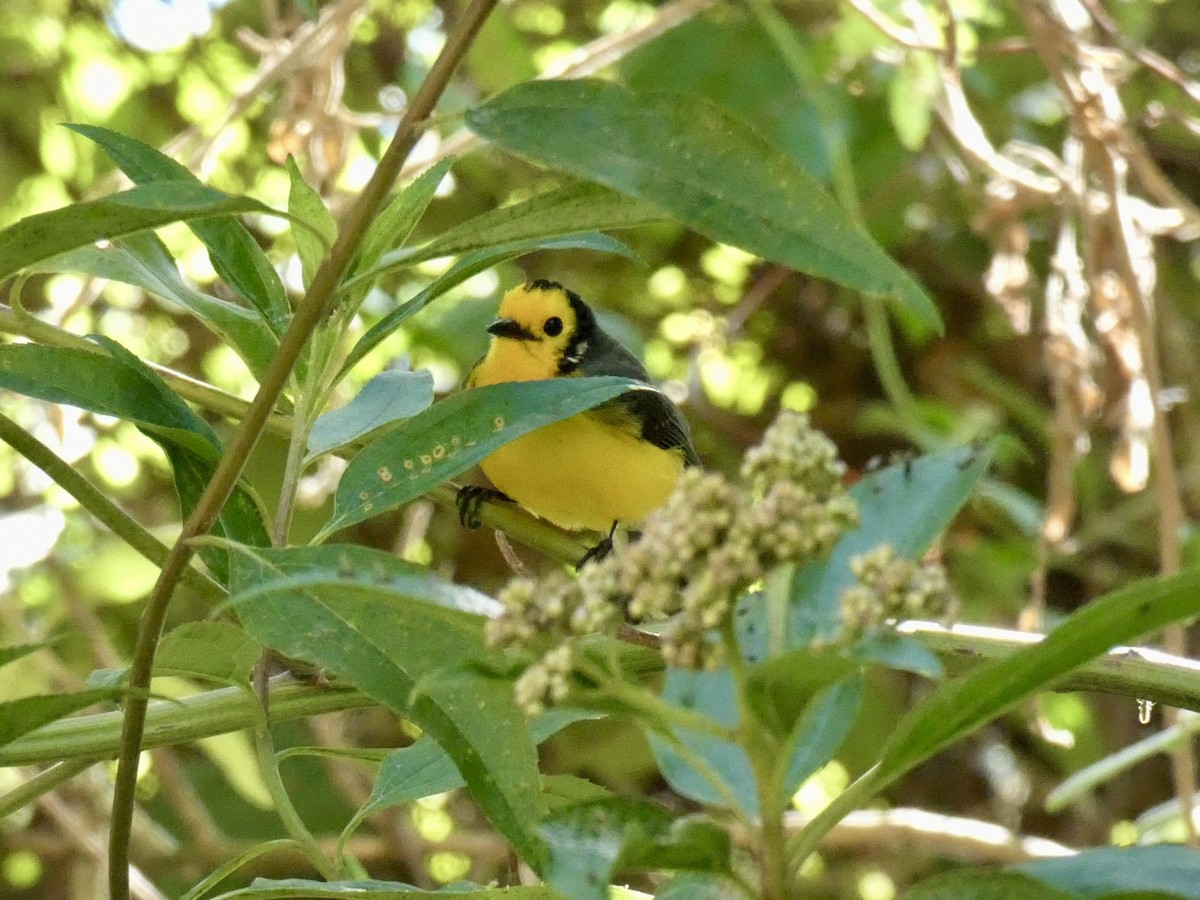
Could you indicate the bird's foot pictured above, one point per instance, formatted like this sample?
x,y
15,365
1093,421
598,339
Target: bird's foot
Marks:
x,y
470,500
601,550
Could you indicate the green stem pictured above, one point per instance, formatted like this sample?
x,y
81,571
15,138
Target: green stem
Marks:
x,y
292,470
762,751
308,314
170,722
653,707
295,826
222,872
805,841
43,783
94,501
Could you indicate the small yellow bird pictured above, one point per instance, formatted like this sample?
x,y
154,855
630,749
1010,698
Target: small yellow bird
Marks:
x,y
609,466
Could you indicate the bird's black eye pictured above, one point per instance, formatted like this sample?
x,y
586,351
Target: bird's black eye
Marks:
x,y
553,326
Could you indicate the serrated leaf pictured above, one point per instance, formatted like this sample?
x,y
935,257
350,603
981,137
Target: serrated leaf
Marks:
x,y
236,256
216,650
143,208
387,398
142,260
470,265
906,505
403,639
714,173
305,204
455,434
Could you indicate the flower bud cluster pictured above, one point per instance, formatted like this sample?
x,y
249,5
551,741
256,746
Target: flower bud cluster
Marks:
x,y
892,587
710,541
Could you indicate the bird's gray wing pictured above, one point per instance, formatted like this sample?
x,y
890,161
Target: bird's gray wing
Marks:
x,y
661,421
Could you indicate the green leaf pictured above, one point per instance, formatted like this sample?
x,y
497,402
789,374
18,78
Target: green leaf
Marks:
x,y
18,717
911,95
455,434
142,260
384,400
590,842
983,885
394,225
403,638
572,209
906,505
305,205
468,266
714,173
819,733
144,208
13,652
236,256
712,694
781,688
1166,869
122,386
424,768
898,651
959,706
216,650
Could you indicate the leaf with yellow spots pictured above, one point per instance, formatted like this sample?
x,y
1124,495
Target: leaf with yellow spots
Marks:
x,y
454,435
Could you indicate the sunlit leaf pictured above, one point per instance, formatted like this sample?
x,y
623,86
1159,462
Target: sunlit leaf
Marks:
x,y
143,208
387,398
235,255
714,173
305,204
455,434
142,260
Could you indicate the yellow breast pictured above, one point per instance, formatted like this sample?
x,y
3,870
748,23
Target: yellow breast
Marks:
x,y
582,472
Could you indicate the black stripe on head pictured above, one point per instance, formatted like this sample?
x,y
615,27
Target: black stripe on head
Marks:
x,y
544,284
583,336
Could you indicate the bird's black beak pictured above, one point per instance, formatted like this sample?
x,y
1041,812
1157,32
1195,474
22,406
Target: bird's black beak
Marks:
x,y
511,328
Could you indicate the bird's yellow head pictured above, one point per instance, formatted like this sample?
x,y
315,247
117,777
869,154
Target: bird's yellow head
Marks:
x,y
542,331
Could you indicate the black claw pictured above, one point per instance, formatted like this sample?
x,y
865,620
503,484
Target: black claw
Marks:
x,y
601,549
470,500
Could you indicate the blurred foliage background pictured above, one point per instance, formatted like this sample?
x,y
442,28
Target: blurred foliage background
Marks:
x,y
231,88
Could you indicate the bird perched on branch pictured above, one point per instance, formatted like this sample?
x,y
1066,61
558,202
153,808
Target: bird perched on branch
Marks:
x,y
609,466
